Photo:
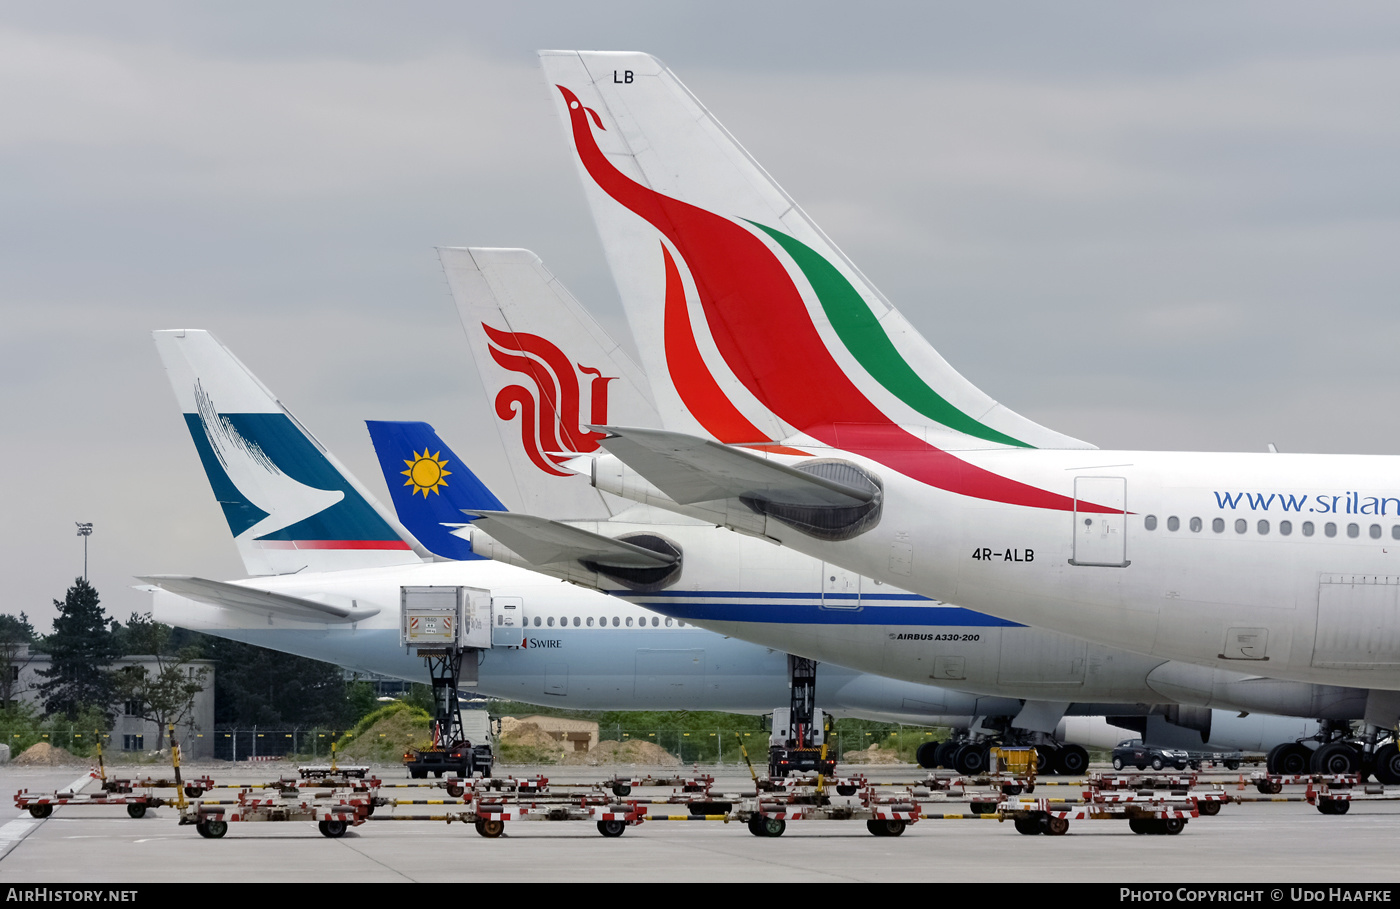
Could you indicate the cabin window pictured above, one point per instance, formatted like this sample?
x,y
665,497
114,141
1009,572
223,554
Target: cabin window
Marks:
x,y
1218,525
1375,531
1395,531
550,622
1263,528
500,618
590,621
1196,525
1307,528
1285,527
1330,529
1173,523
1241,525
1353,531
1150,522
537,621
629,621
668,621
655,621
576,621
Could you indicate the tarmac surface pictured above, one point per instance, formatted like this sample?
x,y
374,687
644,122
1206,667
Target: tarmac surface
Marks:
x,y
1262,841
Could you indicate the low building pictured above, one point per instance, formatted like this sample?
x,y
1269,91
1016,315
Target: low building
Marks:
x,y
130,730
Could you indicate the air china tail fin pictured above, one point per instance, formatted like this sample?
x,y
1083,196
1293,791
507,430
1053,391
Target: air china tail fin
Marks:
x,y
429,484
753,326
550,371
289,503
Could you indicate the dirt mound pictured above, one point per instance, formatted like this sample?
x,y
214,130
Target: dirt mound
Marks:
x,y
630,752
518,733
872,755
46,755
387,739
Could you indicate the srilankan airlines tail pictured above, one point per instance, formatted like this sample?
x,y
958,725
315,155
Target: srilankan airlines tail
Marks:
x,y
550,372
289,504
753,327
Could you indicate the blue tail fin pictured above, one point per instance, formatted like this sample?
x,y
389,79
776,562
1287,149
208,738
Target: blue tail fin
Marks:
x,y
429,484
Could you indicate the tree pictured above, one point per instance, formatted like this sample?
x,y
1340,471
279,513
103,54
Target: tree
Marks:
x,y
16,636
166,696
259,687
81,647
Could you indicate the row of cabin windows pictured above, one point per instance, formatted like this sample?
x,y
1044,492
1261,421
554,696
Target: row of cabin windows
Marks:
x,y
602,623
1285,528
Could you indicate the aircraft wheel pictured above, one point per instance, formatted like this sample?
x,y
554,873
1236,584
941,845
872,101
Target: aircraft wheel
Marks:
x,y
1387,764
927,755
490,827
40,811
943,754
1071,760
612,828
971,759
1293,759
1046,759
1335,757
136,810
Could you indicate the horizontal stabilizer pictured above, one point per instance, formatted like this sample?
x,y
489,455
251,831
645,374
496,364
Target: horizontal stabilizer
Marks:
x,y
541,541
248,599
690,470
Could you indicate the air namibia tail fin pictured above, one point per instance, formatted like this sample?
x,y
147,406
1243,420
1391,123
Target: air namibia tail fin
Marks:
x,y
289,504
752,325
429,484
549,371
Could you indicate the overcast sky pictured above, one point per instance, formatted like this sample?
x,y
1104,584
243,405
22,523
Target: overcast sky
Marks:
x,y
1147,226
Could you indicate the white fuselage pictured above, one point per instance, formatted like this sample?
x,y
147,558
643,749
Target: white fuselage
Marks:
x,y
1280,565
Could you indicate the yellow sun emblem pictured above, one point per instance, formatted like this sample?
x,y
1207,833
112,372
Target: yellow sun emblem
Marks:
x,y
425,473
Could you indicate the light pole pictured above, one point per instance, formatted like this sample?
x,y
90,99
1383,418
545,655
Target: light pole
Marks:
x,y
84,531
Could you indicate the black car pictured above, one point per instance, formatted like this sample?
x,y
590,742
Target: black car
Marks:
x,y
1133,751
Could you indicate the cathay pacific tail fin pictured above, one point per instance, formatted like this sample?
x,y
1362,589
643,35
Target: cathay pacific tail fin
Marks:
x,y
752,325
289,503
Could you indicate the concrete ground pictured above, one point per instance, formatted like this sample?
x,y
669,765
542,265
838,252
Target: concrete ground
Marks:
x,y
1272,842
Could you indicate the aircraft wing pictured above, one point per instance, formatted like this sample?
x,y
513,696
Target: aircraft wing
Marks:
x,y
690,470
541,541
248,599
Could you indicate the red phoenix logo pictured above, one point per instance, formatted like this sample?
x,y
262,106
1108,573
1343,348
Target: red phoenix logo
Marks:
x,y
551,414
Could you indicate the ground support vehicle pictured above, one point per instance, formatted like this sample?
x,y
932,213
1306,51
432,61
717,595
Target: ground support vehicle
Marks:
x,y
332,773
194,787
1208,804
768,816
621,786
1273,783
333,814
41,805
1111,782
1157,815
1335,797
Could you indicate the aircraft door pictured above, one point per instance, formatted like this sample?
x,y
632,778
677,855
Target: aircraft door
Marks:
x,y
840,588
1099,538
509,616
1358,622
